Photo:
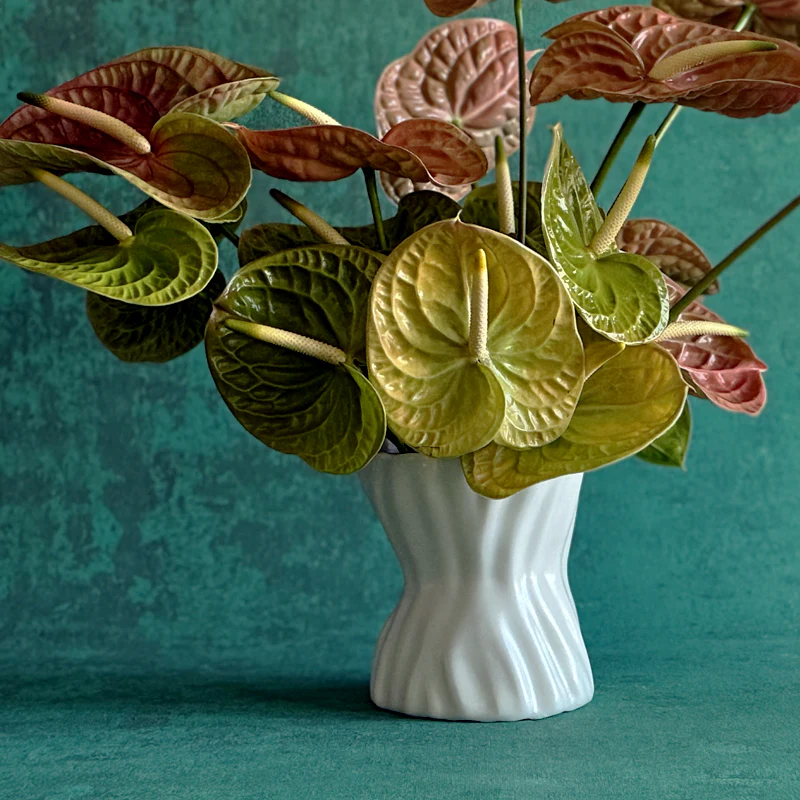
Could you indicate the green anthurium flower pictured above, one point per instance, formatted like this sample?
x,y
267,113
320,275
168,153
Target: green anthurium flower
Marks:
x,y
284,345
597,349
670,449
414,212
626,404
472,339
166,258
621,295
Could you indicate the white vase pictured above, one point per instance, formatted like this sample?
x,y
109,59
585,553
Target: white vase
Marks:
x,y
486,628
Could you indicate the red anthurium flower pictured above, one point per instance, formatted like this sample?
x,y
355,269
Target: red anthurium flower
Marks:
x,y
777,18
724,369
420,150
146,116
630,53
464,72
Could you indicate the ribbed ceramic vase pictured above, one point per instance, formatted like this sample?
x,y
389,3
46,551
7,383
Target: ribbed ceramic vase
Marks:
x,y
486,627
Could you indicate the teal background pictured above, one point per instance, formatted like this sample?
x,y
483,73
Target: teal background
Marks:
x,y
186,614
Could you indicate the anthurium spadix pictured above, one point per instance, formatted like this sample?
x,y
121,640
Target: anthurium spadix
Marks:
x,y
284,345
472,339
625,405
621,295
163,258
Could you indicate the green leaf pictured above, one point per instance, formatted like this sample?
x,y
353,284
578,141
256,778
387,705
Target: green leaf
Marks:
x,y
627,404
169,258
139,333
670,449
621,295
329,415
229,100
414,212
480,208
440,398
195,167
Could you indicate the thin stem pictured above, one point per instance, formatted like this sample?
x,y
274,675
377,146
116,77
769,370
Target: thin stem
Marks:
x,y
668,120
747,15
230,234
710,277
627,126
375,205
523,123
100,214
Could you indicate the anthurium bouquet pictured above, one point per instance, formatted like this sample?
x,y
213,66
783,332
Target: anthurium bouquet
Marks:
x,y
514,325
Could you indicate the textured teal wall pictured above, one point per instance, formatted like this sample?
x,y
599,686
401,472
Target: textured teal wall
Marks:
x,y
138,520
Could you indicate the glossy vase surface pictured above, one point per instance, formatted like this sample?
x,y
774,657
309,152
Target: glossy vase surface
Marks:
x,y
486,627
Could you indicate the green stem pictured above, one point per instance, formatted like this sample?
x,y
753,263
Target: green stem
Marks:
x,y
230,234
523,124
616,145
375,205
742,24
668,120
711,276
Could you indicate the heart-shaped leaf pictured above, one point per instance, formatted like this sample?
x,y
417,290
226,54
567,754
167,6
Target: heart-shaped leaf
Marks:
x,y
670,449
140,333
464,72
725,369
620,295
414,213
480,208
672,251
328,414
444,394
139,89
195,165
169,258
620,54
420,150
628,403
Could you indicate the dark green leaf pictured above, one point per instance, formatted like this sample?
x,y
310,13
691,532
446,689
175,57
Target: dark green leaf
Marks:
x,y
669,450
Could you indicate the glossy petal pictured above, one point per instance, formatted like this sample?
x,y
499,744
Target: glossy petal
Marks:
x,y
725,369
420,150
597,349
195,166
168,259
625,405
438,399
464,72
329,415
141,333
610,53
672,251
670,449
414,213
620,295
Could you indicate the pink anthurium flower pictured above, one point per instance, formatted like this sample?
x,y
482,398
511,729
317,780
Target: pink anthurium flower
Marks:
x,y
724,369
464,72
630,53
777,18
420,150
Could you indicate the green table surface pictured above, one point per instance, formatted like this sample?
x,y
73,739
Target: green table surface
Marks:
x,y
185,614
